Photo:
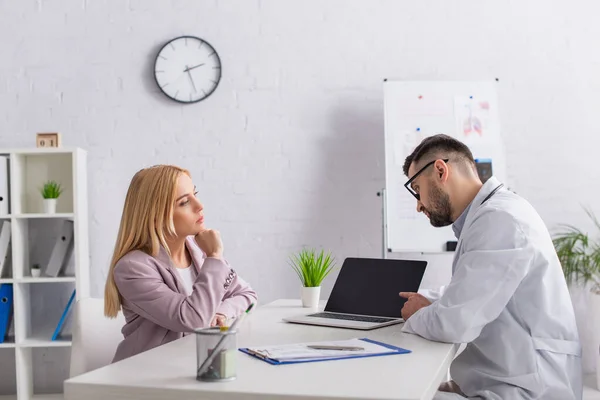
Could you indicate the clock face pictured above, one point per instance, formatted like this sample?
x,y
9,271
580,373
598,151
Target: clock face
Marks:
x,y
187,69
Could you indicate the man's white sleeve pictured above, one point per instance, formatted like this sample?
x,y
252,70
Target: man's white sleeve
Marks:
x,y
496,259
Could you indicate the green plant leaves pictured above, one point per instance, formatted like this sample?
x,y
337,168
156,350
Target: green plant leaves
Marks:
x,y
51,190
579,256
312,267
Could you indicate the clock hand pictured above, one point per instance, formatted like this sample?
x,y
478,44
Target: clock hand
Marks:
x,y
190,68
191,79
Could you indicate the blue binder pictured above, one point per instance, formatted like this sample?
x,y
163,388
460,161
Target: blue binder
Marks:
x,y
6,300
393,351
63,317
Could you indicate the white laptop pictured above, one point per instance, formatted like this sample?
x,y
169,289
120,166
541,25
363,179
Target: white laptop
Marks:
x,y
366,294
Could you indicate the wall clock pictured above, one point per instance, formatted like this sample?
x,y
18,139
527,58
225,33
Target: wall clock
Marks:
x,y
187,69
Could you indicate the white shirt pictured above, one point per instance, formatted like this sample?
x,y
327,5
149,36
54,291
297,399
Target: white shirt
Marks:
x,y
188,276
508,301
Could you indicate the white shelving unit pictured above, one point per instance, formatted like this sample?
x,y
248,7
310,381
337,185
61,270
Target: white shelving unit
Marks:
x,y
41,364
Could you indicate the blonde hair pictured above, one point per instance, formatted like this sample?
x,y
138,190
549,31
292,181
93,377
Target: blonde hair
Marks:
x,y
146,222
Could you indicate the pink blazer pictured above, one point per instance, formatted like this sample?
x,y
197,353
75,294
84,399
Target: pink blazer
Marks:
x,y
154,303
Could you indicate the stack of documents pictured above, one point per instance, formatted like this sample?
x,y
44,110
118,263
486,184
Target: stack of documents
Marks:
x,y
322,351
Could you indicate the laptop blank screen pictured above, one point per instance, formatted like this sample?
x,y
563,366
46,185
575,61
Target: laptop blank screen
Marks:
x,y
369,286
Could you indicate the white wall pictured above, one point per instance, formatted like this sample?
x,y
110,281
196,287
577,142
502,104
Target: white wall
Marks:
x,y
289,150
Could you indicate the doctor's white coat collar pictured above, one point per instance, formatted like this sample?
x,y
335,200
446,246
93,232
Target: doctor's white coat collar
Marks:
x,y
487,188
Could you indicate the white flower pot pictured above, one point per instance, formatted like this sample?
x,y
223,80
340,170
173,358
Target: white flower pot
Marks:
x,y
595,313
50,206
35,272
598,370
310,296
581,299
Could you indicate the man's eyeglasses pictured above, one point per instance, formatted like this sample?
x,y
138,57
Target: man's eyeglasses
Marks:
x,y
407,184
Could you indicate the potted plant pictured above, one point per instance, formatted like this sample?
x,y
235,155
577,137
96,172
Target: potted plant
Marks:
x,y
311,267
580,259
50,192
35,270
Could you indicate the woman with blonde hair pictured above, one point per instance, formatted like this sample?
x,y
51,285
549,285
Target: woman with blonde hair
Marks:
x,y
167,273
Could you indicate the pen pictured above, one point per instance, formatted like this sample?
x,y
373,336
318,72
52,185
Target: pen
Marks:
x,y
328,347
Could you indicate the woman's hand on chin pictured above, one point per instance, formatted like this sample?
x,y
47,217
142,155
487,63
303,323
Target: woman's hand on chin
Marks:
x,y
209,240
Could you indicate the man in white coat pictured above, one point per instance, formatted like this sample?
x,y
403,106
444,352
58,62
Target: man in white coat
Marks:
x,y
507,299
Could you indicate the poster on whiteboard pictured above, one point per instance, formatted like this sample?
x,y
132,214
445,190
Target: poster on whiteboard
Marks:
x,y
475,124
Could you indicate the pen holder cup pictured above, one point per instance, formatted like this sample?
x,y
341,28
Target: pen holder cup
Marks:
x,y
221,366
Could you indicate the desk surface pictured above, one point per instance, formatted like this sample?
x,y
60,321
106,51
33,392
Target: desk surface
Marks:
x,y
168,371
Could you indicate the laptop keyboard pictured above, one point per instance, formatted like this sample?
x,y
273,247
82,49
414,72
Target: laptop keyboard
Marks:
x,y
351,317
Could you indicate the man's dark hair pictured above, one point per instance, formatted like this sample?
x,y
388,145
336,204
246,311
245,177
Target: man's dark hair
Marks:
x,y
442,146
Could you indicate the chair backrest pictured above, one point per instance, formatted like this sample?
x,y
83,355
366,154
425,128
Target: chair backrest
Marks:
x,y
95,337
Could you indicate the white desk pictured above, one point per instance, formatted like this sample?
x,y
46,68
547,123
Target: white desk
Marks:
x,y
169,371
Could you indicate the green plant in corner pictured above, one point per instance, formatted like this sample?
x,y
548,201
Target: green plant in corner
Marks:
x,y
579,255
312,267
51,190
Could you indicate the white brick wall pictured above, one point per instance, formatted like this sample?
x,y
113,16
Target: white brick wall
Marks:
x,y
289,150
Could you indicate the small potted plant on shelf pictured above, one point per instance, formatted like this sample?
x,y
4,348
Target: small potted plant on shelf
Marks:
x,y
311,267
50,192
35,271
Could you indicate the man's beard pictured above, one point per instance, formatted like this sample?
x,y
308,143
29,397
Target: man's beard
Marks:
x,y
440,213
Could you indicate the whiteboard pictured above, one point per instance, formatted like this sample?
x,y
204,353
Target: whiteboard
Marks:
x,y
414,110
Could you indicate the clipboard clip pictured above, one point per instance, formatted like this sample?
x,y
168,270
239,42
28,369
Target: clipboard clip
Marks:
x,y
257,354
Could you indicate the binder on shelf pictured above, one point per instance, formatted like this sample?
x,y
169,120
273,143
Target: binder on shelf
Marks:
x,y
68,265
6,300
4,195
4,248
63,317
7,265
60,250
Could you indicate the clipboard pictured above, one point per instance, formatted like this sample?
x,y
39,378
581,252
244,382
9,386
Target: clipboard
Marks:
x,y
393,350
